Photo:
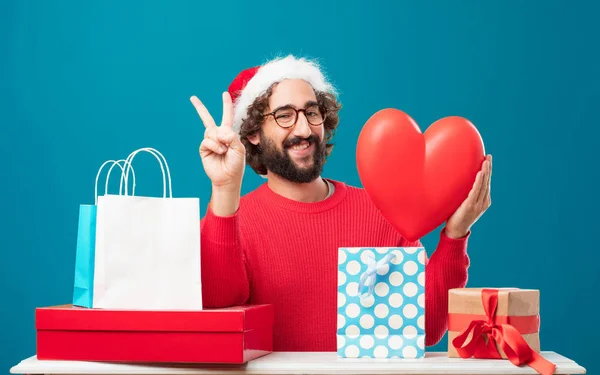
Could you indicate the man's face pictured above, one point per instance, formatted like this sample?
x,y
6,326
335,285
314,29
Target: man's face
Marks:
x,y
296,153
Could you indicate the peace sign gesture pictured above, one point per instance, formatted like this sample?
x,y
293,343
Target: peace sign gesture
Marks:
x,y
223,154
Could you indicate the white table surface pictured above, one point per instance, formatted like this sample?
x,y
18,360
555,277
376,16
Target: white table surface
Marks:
x,y
305,363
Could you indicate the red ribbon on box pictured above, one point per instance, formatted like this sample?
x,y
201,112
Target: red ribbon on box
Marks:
x,y
487,332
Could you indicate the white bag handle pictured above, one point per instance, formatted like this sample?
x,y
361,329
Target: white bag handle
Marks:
x,y
160,159
108,177
122,171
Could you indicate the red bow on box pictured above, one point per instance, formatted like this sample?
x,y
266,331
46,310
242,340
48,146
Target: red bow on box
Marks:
x,y
507,337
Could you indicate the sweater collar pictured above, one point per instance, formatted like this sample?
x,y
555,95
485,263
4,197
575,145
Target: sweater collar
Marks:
x,y
271,197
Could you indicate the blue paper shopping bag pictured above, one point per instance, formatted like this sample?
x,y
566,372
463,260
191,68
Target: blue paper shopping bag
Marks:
x,y
381,302
84,256
83,286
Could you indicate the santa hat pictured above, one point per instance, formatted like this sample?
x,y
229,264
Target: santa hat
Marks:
x,y
254,82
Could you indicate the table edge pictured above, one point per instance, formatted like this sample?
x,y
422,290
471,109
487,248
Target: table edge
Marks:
x,y
23,368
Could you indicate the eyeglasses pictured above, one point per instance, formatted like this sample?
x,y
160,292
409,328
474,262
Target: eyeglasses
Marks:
x,y
286,117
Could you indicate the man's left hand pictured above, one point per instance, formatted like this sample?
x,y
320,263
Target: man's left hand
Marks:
x,y
477,202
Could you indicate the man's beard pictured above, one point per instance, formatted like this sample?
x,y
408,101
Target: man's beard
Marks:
x,y
280,162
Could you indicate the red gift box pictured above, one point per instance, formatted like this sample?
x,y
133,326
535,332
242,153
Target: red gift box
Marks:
x,y
226,335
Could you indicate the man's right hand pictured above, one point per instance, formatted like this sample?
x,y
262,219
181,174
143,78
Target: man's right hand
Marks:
x,y
223,154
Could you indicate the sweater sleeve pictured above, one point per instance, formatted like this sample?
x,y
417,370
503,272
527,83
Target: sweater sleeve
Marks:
x,y
446,269
222,261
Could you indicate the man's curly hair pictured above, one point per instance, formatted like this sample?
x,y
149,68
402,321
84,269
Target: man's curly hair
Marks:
x,y
255,118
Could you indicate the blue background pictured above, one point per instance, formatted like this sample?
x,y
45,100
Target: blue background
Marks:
x,y
82,82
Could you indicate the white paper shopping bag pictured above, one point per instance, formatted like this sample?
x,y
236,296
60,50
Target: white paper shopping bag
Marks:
x,y
147,249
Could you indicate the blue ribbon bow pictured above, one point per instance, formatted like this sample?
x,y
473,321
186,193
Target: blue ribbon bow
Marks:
x,y
369,276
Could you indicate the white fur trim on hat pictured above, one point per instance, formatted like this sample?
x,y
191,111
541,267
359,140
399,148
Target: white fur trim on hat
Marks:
x,y
275,71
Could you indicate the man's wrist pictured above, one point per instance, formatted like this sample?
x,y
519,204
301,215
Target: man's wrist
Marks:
x,y
227,189
455,233
225,200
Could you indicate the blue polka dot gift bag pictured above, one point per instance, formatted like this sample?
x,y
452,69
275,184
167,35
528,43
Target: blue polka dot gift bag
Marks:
x,y
381,302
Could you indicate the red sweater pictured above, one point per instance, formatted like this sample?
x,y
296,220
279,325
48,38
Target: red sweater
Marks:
x,y
283,252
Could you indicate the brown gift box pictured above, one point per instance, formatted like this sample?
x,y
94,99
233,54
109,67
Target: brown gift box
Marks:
x,y
466,305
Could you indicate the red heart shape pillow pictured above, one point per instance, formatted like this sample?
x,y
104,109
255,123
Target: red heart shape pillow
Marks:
x,y
417,180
